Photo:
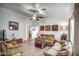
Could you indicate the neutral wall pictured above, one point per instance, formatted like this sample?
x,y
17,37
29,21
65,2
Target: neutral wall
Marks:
x,y
51,21
25,23
6,16
28,25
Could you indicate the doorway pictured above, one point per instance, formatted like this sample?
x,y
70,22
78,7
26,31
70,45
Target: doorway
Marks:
x,y
33,32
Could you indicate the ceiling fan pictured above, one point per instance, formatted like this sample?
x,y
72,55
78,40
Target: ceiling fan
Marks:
x,y
36,17
36,10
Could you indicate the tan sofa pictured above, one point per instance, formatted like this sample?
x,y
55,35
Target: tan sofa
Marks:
x,y
46,39
60,49
53,51
12,47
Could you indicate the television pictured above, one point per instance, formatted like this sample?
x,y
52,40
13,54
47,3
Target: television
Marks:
x,y
2,35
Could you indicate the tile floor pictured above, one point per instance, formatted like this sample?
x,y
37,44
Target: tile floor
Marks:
x,y
29,49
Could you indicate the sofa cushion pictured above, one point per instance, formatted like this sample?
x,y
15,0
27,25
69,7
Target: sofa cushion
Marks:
x,y
13,42
47,36
54,50
57,46
9,45
51,52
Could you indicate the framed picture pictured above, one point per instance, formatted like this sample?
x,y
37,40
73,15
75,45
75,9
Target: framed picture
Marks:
x,y
41,28
13,25
54,27
47,28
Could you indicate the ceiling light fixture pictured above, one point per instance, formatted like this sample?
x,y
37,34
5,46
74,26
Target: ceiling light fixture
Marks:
x,y
34,16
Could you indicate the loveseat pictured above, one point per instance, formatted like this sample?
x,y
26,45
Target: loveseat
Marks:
x,y
60,49
12,47
46,39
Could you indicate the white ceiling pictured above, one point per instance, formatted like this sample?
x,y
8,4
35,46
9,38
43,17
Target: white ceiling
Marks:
x,y
53,10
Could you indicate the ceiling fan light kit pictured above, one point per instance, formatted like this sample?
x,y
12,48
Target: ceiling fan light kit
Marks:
x,y
34,16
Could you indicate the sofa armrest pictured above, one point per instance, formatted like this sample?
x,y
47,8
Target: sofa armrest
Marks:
x,y
5,44
10,46
15,46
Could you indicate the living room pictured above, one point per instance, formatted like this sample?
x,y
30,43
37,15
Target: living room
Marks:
x,y
19,22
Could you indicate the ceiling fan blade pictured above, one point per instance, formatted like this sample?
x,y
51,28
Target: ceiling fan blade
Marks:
x,y
39,17
43,9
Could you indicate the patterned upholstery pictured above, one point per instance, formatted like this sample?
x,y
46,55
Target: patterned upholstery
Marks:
x,y
47,38
11,47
